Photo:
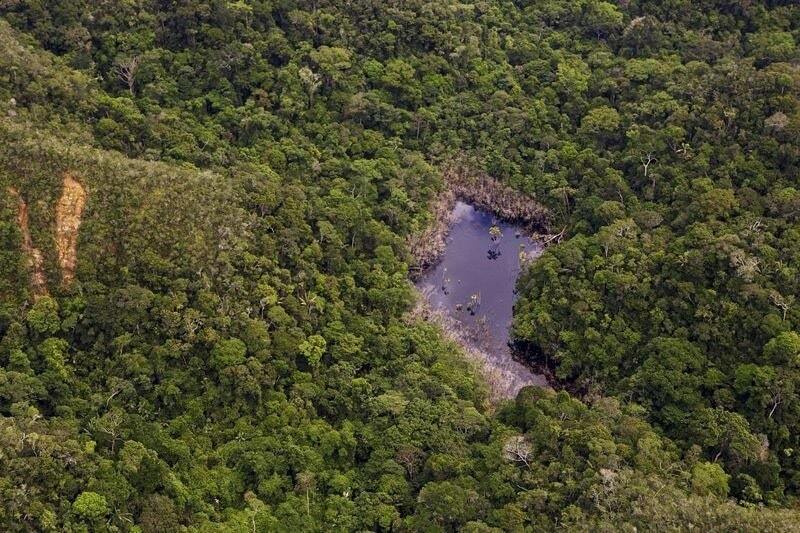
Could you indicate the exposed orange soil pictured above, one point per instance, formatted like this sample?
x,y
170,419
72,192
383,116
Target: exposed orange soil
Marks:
x,y
33,256
68,220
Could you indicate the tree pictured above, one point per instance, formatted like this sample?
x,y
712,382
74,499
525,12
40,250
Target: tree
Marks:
x,y
90,506
670,379
158,515
125,69
400,77
709,478
572,76
517,449
727,436
333,62
773,46
601,122
447,504
305,482
109,424
228,352
43,316
310,81
313,348
603,18
783,349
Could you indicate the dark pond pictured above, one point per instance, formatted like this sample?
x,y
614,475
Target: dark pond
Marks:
x,y
474,285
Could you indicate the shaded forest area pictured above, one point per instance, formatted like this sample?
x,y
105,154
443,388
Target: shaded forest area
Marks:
x,y
228,348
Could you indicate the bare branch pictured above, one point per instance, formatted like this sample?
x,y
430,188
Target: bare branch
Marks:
x,y
125,69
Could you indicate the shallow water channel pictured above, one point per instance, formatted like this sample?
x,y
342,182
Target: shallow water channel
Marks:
x,y
473,286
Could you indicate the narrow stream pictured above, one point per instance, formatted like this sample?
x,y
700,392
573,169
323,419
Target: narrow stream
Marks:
x,y
473,285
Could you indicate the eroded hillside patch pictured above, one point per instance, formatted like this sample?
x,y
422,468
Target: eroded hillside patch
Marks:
x,y
33,257
69,211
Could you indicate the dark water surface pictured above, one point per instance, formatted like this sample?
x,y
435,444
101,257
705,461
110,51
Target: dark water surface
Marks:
x,y
474,284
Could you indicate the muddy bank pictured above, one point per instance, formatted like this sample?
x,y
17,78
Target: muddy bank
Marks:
x,y
427,246
503,378
540,364
472,265
483,192
469,292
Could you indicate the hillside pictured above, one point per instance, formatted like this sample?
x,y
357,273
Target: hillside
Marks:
x,y
205,305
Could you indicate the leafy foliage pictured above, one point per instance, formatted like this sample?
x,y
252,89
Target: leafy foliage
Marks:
x,y
233,353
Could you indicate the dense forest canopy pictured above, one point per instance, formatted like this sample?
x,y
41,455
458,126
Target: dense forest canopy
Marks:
x,y
204,216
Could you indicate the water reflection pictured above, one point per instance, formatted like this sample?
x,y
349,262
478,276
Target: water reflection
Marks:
x,y
474,284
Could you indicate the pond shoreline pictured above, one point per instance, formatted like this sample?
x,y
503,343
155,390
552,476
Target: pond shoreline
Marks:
x,y
483,192
531,356
483,336
501,385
